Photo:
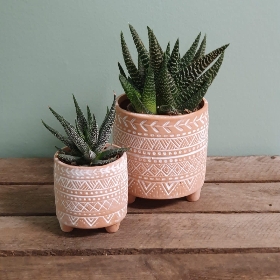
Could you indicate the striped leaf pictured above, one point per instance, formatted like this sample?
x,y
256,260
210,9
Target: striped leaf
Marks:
x,y
59,136
92,133
156,53
195,100
69,159
142,51
167,87
142,70
99,162
189,55
149,92
174,61
201,51
106,128
167,52
193,88
191,72
81,120
121,70
133,95
111,153
131,68
73,134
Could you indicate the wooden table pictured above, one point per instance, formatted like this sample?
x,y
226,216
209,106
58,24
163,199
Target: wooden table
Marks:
x,y
232,232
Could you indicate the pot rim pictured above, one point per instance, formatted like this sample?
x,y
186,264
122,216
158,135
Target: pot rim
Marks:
x,y
123,97
88,167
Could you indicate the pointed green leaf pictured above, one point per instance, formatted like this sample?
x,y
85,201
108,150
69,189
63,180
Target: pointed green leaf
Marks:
x,y
110,153
69,159
121,70
92,135
166,86
193,88
168,51
190,73
149,92
195,100
81,120
131,68
142,52
201,51
72,133
99,162
156,53
59,136
142,70
174,61
133,95
189,55
106,128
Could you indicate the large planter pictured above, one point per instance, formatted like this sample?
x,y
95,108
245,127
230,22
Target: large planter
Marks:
x,y
167,156
91,197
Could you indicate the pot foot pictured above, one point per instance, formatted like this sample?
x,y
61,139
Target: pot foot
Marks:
x,y
131,198
194,196
113,228
65,228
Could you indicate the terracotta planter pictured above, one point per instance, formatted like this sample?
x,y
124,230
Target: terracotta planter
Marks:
x,y
167,156
91,197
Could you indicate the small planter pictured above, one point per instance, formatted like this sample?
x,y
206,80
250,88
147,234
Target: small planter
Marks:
x,y
167,156
91,197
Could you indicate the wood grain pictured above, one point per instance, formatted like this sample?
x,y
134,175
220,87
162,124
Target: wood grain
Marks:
x,y
38,200
145,233
243,169
26,171
148,267
219,169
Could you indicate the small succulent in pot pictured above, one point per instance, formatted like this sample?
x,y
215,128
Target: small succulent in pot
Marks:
x,y
164,82
86,144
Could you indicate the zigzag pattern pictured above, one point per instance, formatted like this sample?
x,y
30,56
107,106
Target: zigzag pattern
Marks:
x,y
92,222
123,138
91,185
161,190
175,169
88,173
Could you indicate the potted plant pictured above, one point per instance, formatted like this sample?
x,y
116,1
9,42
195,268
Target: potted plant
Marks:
x,y
90,175
163,117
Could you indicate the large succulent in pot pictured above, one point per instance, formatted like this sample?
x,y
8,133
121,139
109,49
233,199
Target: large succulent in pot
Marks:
x,y
164,82
86,144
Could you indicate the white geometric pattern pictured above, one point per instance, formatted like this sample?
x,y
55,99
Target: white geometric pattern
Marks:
x,y
98,199
167,156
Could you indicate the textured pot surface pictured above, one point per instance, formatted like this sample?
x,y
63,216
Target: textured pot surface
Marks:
x,y
167,156
91,197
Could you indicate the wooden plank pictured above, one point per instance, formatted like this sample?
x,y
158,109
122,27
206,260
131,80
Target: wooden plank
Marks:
x,y
26,171
215,198
149,267
219,169
243,169
145,233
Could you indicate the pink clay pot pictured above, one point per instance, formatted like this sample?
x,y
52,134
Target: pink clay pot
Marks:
x,y
91,197
167,156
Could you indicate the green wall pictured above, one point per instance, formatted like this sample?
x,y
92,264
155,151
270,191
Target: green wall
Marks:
x,y
51,49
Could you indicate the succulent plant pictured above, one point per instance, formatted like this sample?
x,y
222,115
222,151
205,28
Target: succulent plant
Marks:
x,y
164,82
86,145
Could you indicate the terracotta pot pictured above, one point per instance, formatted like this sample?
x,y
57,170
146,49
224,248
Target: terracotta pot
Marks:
x,y
91,197
167,156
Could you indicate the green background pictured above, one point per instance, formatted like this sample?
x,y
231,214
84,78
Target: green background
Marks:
x,y
51,49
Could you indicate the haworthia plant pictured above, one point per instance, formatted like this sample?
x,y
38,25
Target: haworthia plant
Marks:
x,y
86,144
165,82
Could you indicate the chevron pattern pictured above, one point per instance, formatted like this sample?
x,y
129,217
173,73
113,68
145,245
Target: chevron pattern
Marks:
x,y
167,156
91,197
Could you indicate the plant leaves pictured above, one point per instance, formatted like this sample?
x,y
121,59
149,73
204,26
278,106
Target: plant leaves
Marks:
x,y
112,153
92,134
81,120
174,61
201,51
